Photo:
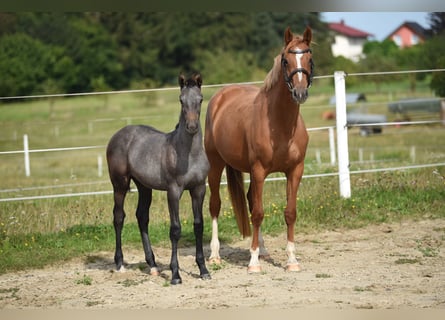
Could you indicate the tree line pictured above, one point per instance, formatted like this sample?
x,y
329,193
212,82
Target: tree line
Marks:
x,y
42,53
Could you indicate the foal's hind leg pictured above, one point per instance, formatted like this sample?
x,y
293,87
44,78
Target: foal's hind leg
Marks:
x,y
118,222
143,216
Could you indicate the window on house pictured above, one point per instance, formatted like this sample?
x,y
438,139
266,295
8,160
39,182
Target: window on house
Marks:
x,y
414,39
398,40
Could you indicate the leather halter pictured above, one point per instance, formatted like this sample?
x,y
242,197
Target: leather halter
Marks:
x,y
288,77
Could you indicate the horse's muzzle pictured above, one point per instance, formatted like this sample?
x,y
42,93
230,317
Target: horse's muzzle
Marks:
x,y
299,94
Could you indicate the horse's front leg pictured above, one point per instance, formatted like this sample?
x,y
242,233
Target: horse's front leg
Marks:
x,y
264,254
257,216
290,215
197,194
173,195
214,180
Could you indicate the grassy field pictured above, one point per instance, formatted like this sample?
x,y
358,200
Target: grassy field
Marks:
x,y
37,232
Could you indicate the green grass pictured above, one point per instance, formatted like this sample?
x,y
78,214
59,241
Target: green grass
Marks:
x,y
36,233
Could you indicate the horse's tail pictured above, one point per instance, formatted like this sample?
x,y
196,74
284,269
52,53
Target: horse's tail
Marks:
x,y
238,197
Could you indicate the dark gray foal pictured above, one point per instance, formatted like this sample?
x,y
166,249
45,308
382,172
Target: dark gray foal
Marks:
x,y
173,162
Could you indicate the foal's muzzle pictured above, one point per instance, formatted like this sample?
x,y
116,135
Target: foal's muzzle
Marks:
x,y
192,123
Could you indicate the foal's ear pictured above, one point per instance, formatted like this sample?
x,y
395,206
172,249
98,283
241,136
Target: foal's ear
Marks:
x,y
181,80
288,36
198,79
307,36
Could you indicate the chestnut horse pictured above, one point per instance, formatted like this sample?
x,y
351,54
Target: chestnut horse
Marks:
x,y
260,131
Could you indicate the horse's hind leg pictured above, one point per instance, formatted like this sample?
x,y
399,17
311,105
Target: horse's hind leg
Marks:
x,y
197,195
143,216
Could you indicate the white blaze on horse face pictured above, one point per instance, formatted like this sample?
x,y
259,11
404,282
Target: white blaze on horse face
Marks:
x,y
298,57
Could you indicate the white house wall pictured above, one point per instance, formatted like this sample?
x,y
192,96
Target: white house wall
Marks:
x,y
351,48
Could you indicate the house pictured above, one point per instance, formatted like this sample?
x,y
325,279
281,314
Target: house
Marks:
x,y
348,41
409,34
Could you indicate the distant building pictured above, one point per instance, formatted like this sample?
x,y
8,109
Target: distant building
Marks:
x,y
409,34
348,41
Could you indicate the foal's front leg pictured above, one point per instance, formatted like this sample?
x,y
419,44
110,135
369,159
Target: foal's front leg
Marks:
x,y
173,195
197,194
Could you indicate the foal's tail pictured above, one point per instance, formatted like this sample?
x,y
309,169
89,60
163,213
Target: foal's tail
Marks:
x,y
238,198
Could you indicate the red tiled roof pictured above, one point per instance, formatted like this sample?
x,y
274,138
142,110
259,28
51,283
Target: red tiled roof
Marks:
x,y
340,27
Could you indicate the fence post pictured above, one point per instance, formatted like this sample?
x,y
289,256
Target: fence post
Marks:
x,y
26,153
342,134
332,145
99,166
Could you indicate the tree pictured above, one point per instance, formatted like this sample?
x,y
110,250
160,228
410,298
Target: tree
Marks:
x,y
433,50
380,56
24,64
437,22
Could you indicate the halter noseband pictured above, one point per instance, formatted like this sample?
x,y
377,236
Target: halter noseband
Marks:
x,y
288,77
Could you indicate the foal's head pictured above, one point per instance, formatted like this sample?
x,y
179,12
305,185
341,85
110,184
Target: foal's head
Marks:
x,y
191,99
296,63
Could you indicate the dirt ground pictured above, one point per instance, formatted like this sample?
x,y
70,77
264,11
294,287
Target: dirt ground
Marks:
x,y
378,267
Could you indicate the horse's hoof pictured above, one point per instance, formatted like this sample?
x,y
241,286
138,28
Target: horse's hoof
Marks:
x,y
121,269
294,267
154,271
176,281
206,276
253,269
215,260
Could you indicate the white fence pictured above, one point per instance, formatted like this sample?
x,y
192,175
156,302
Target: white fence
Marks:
x,y
339,156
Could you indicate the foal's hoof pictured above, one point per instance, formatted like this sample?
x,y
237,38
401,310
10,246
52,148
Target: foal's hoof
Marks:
x,y
294,267
206,276
121,269
154,271
254,269
176,281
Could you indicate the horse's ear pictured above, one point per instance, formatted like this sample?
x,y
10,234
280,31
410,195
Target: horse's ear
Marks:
x,y
307,36
198,79
181,80
288,36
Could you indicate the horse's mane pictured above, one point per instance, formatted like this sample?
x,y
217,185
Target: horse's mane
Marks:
x,y
273,75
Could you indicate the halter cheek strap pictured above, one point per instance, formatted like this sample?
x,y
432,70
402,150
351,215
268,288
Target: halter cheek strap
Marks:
x,y
288,77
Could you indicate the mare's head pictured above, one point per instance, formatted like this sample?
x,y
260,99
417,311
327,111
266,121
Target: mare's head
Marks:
x,y
191,99
296,64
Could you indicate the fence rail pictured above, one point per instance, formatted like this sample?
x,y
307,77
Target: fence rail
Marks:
x,y
339,156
